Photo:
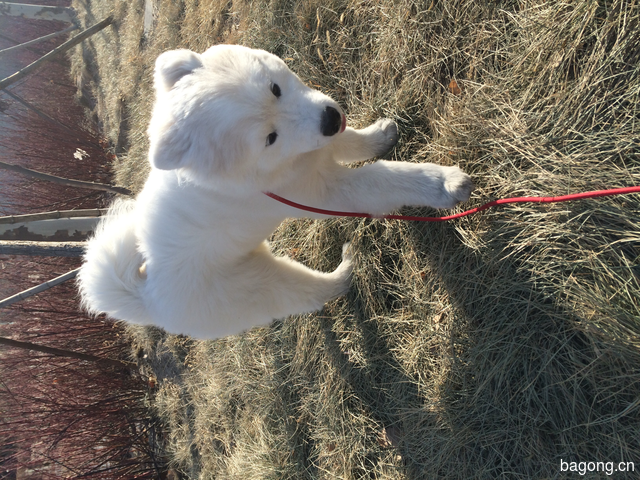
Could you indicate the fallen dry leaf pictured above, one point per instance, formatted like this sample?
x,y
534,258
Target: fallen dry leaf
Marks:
x,y
454,88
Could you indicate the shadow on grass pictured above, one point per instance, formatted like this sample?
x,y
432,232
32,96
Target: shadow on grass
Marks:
x,y
526,385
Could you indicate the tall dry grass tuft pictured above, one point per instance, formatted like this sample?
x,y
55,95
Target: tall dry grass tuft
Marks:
x,y
495,345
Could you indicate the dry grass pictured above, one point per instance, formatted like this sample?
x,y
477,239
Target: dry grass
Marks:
x,y
493,346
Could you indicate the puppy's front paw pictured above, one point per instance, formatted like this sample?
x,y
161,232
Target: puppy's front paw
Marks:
x,y
457,184
385,135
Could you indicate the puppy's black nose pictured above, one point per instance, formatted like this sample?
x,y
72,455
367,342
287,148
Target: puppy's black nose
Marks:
x,y
331,122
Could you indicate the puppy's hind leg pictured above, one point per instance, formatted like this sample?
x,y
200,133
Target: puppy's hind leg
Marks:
x,y
282,287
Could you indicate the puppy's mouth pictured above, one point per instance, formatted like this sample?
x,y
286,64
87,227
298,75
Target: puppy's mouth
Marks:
x,y
343,126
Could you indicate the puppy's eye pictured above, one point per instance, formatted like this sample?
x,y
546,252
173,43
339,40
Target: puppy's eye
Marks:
x,y
275,89
271,138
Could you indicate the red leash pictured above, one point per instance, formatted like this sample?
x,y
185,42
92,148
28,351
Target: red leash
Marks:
x,y
495,203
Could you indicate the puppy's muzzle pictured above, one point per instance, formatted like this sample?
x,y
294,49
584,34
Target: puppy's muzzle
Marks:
x,y
330,122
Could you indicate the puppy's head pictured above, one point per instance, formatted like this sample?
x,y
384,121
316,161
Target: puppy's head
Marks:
x,y
235,113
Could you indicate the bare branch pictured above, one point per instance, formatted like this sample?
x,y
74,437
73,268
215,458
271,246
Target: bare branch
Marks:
x,y
65,181
37,12
90,212
40,113
63,353
37,40
39,288
72,42
45,249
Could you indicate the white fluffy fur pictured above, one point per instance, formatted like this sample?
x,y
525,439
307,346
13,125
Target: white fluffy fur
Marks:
x,y
200,223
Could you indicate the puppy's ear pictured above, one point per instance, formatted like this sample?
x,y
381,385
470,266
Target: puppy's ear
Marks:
x,y
185,142
171,66
169,146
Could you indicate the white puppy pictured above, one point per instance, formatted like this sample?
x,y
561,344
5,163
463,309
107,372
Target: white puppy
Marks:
x,y
189,253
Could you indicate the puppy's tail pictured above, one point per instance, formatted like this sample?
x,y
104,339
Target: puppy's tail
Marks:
x,y
112,275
